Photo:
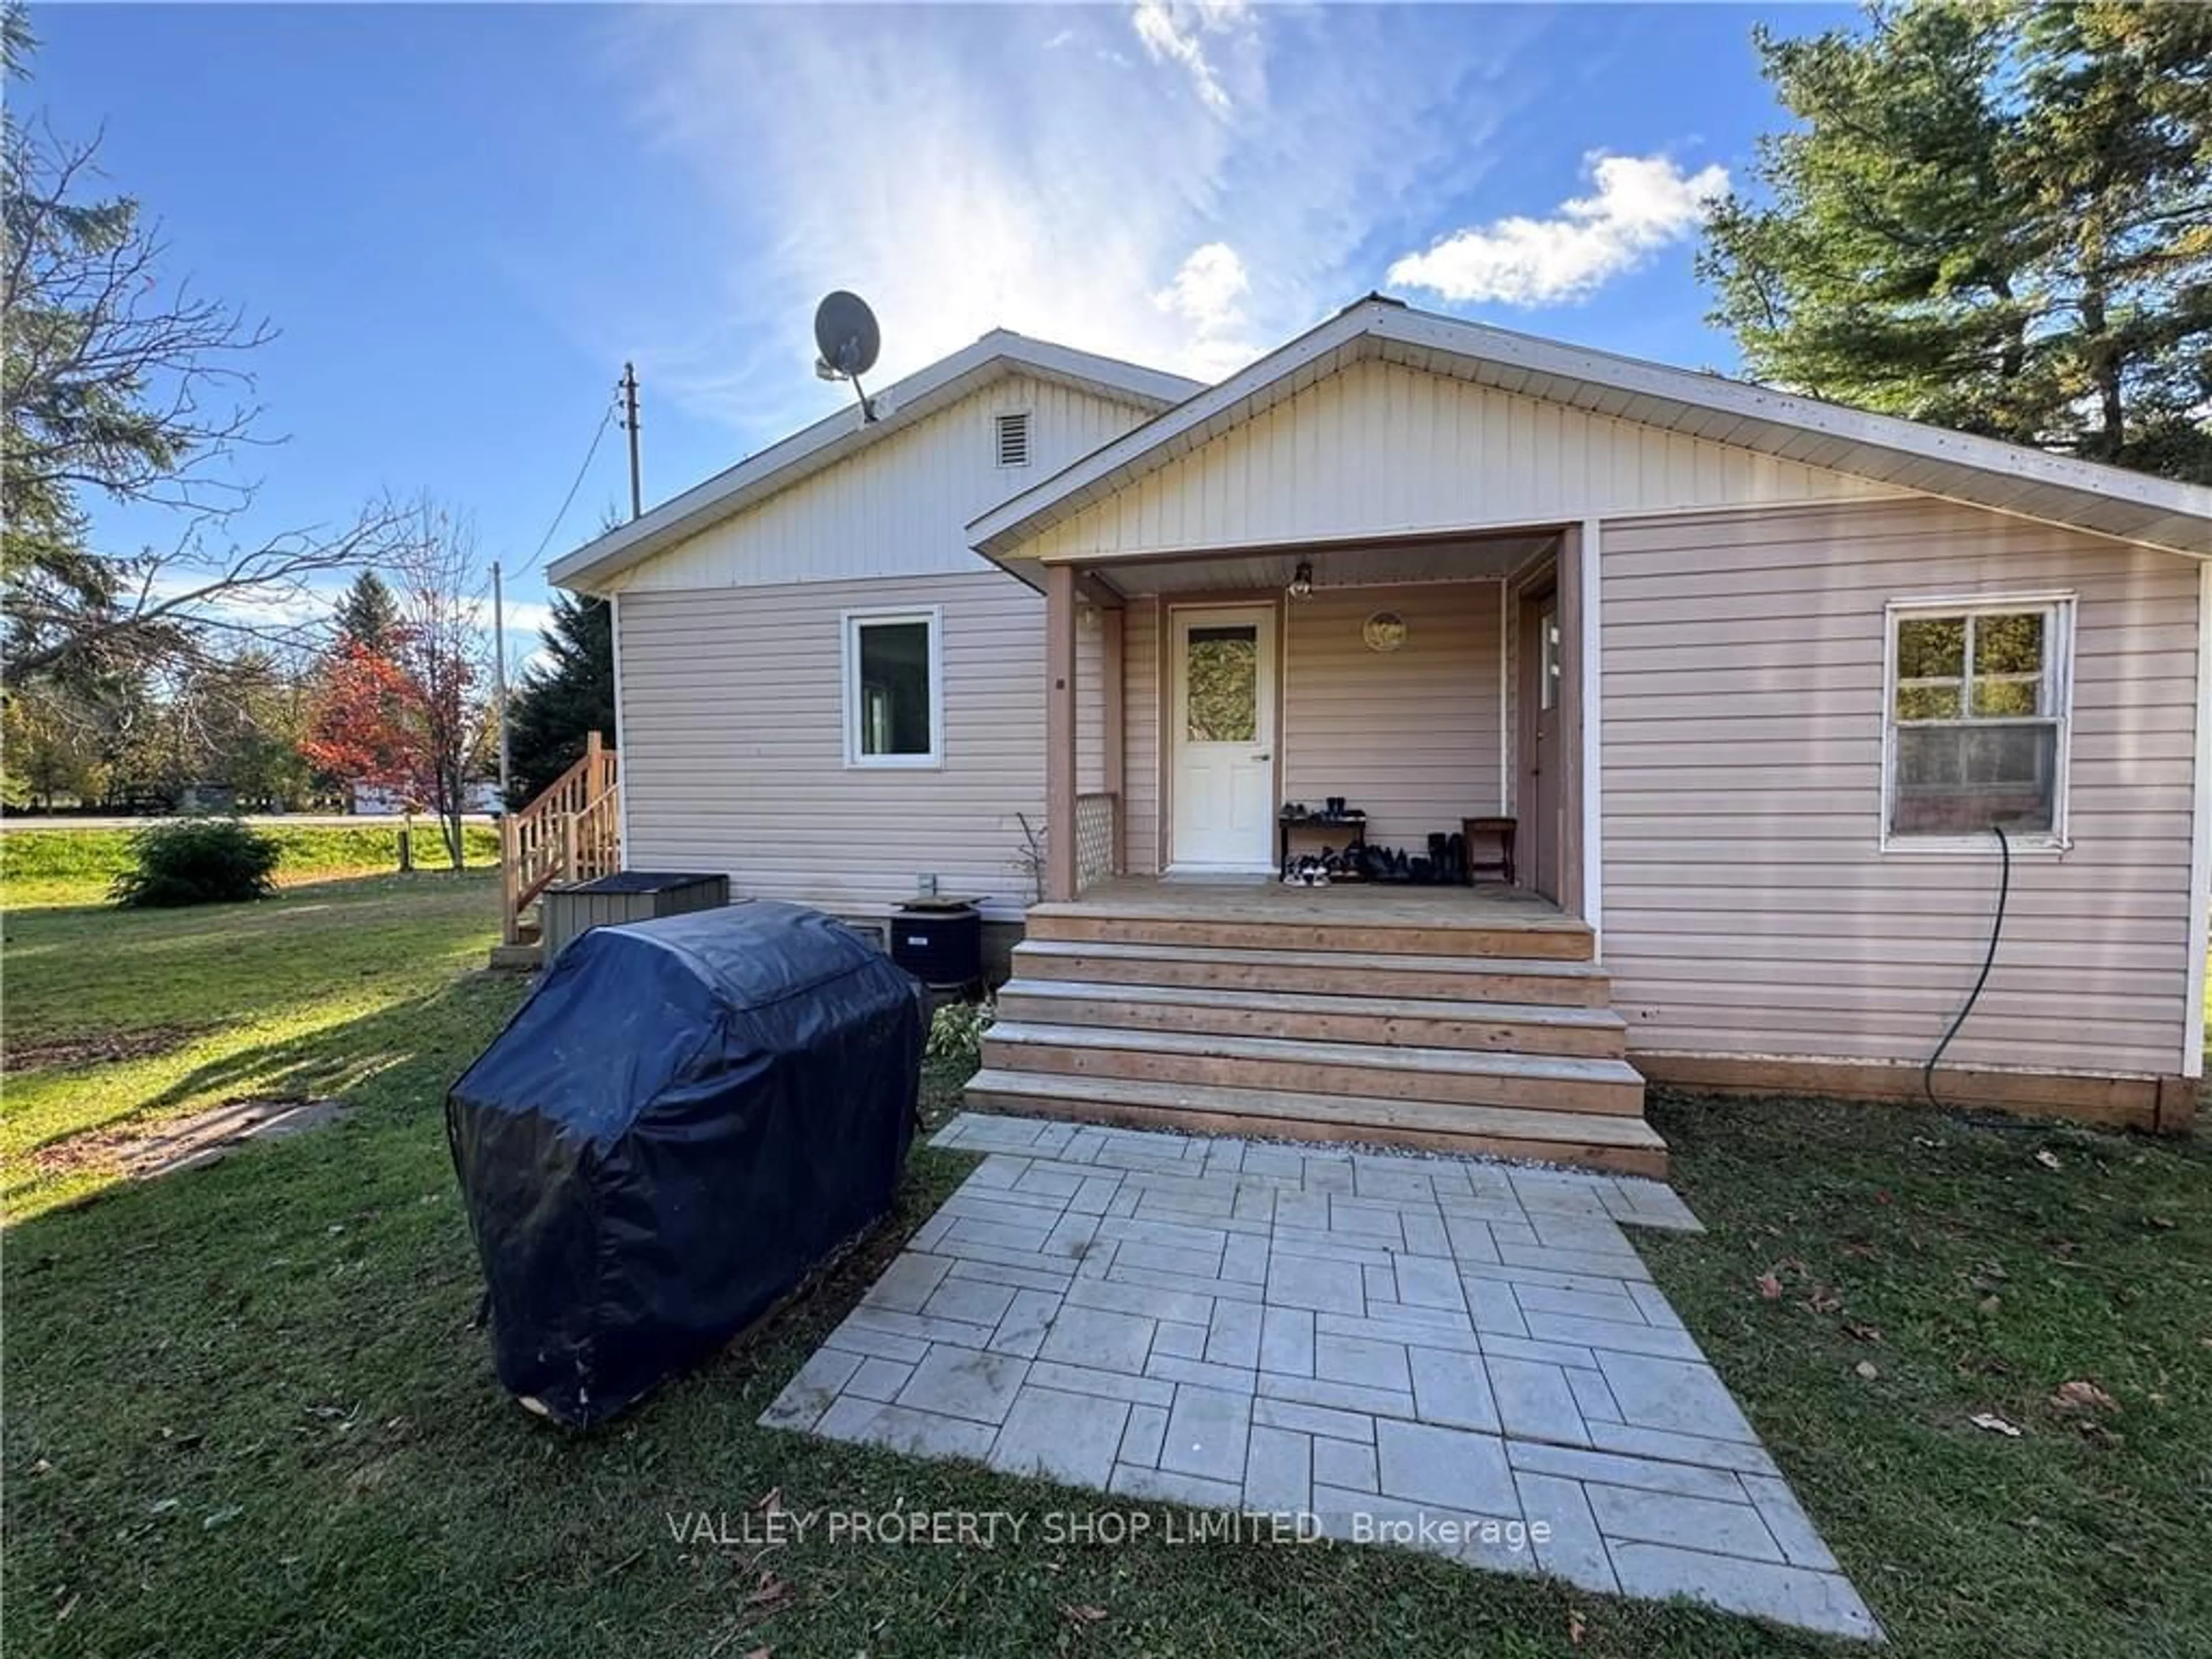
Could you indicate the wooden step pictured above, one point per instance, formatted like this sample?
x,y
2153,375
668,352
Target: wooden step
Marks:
x,y
1447,1076
1622,1146
1500,1027
1338,973
1346,927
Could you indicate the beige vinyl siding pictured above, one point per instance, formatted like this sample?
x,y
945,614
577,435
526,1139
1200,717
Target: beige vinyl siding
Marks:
x,y
899,507
1384,449
733,755
1748,909
1410,735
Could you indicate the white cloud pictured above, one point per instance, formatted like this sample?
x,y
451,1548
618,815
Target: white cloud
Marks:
x,y
1177,33
1207,290
971,168
1208,293
526,616
1642,204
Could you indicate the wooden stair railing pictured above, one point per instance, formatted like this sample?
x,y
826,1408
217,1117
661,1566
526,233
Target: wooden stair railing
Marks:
x,y
571,832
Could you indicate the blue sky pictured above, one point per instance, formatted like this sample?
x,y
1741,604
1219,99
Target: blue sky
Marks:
x,y
464,219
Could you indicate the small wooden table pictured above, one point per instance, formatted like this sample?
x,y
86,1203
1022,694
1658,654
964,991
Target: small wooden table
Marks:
x,y
1497,829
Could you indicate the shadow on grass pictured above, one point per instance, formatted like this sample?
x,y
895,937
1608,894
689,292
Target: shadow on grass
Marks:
x,y
380,1061
337,1060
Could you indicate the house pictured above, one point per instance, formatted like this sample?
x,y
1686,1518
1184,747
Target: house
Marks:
x,y
1758,680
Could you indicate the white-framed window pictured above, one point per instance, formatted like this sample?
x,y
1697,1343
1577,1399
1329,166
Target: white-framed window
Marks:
x,y
894,665
1009,437
1978,703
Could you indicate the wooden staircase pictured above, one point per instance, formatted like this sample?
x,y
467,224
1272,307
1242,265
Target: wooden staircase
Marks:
x,y
1449,1030
571,832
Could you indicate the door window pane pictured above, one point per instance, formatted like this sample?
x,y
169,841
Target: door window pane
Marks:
x,y
1222,670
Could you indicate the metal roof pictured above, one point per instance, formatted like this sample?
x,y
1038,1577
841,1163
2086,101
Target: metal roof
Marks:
x,y
1982,471
904,404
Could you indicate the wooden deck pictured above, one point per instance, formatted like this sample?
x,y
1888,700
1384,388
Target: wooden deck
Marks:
x,y
1261,913
1448,1019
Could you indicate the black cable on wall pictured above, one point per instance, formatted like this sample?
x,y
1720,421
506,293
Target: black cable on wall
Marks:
x,y
1989,961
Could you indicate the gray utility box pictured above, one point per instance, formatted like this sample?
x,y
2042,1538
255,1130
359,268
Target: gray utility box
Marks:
x,y
566,913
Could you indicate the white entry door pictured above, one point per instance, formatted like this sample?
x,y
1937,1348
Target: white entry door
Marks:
x,y
1223,730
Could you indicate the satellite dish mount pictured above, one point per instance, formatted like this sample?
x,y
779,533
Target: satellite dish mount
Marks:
x,y
846,335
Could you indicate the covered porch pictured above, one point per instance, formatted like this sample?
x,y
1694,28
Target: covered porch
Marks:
x,y
1207,711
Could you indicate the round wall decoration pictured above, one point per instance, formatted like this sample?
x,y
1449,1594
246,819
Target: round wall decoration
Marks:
x,y
1383,631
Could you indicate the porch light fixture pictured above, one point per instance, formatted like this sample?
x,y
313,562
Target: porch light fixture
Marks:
x,y
1302,581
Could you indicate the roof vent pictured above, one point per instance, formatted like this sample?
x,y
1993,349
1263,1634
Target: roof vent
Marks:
x,y
1012,434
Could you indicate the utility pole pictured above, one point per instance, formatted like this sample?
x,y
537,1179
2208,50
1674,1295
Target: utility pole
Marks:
x,y
499,675
629,425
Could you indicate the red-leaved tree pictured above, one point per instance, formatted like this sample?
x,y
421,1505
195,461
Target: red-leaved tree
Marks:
x,y
411,717
358,731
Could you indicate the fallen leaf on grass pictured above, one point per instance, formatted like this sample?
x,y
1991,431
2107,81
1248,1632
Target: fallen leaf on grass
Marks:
x,y
1989,1304
2047,1159
1994,1425
1824,1300
2079,1395
1864,1333
1081,1615
1770,1287
773,1592
1866,1370
1574,1628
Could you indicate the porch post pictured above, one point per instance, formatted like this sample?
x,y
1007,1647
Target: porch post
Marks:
x,y
1059,733
1110,762
1590,664
1572,645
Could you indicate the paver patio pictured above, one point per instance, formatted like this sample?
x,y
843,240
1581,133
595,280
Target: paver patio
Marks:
x,y
1440,1352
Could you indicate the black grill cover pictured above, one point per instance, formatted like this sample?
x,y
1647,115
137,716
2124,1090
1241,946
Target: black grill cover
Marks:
x,y
685,1117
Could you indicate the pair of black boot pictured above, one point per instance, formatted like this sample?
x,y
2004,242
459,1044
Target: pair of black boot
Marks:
x,y
1443,865
1448,858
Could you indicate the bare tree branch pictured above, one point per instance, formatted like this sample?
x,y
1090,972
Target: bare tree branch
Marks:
x,y
265,591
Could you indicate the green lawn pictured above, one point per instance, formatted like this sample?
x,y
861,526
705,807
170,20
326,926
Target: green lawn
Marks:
x,y
73,867
115,1021
246,1414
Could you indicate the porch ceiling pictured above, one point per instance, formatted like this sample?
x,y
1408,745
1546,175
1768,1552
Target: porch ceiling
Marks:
x,y
1270,569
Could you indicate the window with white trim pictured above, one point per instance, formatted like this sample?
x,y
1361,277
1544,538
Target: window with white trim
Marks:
x,y
1979,698
894,688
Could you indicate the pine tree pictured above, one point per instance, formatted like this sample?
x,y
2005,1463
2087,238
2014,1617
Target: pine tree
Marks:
x,y
1993,217
563,699
368,616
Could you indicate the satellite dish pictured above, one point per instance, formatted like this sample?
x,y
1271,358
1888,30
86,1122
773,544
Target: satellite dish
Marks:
x,y
846,334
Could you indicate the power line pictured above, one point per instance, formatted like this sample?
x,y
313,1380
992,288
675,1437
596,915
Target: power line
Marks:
x,y
569,500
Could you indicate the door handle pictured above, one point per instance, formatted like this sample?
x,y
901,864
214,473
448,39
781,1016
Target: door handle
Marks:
x,y
1264,756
